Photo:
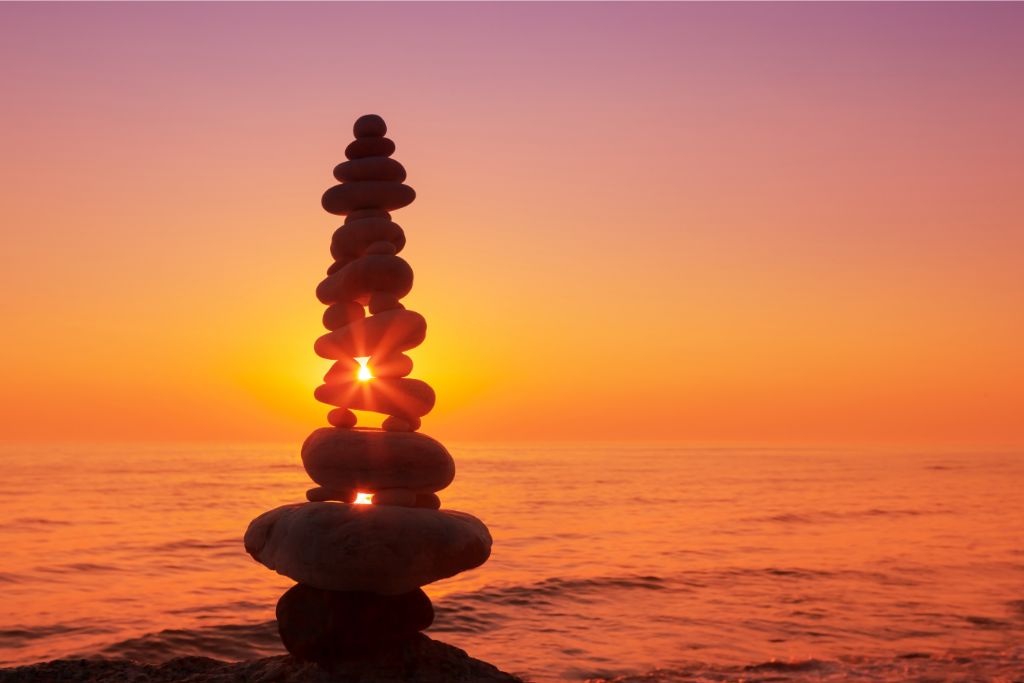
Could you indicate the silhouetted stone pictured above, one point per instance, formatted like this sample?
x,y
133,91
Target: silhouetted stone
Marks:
x,y
398,365
401,424
369,126
370,168
367,213
402,396
400,497
361,148
381,249
346,370
342,417
321,626
371,460
351,240
320,494
368,274
383,301
343,313
385,334
370,194
335,267
428,500
376,548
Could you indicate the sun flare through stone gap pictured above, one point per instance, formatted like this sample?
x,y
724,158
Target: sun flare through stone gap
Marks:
x,y
363,374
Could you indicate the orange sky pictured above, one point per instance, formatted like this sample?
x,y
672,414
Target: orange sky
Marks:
x,y
773,224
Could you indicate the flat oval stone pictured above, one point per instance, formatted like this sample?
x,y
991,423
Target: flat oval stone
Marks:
x,y
428,500
343,313
369,126
401,396
390,366
369,194
318,625
358,279
361,148
400,497
370,460
384,334
367,213
319,494
369,168
351,240
381,549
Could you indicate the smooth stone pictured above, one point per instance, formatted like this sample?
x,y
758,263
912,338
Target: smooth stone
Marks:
x,y
371,460
383,301
320,494
384,334
369,194
319,625
342,417
358,279
376,548
382,248
335,267
369,126
401,396
369,168
401,424
352,239
400,497
343,313
367,213
360,148
390,366
428,500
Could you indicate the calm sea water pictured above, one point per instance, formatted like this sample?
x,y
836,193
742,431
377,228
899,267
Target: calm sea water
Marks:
x,y
608,560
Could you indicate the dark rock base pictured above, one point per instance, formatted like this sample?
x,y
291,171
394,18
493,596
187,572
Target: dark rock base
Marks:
x,y
319,625
420,659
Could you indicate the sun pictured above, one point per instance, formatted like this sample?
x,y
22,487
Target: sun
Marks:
x,y
364,373
364,498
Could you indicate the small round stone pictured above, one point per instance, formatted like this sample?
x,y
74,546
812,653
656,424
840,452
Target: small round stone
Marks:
x,y
367,213
320,494
401,424
383,248
428,500
343,313
398,365
342,418
369,126
400,497
323,626
361,148
383,301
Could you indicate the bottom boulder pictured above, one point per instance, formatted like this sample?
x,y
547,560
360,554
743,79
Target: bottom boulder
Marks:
x,y
319,625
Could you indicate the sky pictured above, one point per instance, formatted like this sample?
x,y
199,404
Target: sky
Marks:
x,y
705,223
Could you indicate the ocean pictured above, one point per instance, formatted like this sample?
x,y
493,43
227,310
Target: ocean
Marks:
x,y
648,562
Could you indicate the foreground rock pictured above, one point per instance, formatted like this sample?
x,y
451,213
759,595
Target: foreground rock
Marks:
x,y
420,659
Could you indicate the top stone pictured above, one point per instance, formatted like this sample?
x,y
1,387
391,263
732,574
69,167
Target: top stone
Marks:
x,y
370,126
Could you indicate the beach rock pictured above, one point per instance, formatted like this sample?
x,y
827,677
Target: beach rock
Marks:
x,y
369,126
369,194
401,396
375,548
400,497
371,460
351,240
343,313
342,417
398,365
370,168
428,500
360,148
322,626
363,276
401,424
417,660
385,334
320,494
383,301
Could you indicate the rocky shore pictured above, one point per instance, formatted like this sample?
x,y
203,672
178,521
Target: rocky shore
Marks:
x,y
421,659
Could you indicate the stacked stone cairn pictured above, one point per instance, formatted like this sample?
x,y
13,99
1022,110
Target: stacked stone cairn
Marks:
x,y
360,567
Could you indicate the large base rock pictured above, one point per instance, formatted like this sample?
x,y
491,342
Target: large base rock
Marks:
x,y
420,659
323,626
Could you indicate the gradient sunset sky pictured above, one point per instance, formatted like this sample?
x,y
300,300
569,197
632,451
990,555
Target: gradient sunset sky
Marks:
x,y
760,223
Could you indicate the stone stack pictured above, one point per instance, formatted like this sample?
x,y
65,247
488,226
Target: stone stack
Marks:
x,y
360,567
